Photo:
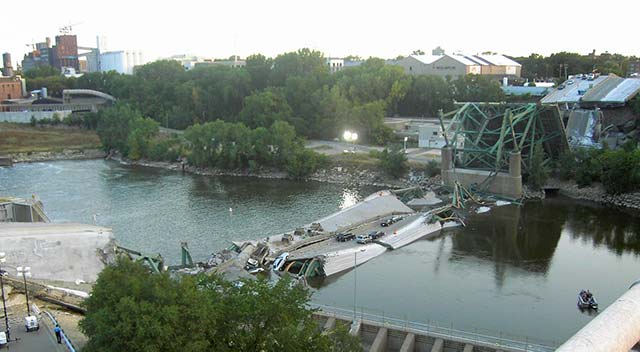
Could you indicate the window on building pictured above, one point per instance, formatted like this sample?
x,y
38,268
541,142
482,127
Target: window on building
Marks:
x,y
410,68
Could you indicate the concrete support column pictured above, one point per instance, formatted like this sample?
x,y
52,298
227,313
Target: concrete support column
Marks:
x,y
468,348
409,344
515,164
438,346
446,158
380,342
330,324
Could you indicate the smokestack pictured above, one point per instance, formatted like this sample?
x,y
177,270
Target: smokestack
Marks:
x,y
6,65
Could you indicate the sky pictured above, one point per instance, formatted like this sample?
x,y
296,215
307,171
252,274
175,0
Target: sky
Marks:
x,y
384,29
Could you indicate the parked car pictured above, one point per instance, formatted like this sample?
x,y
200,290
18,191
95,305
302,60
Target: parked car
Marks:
x,y
251,264
374,235
386,222
343,237
397,218
363,239
279,262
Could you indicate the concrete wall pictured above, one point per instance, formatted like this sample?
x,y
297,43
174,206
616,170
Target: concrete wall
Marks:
x,y
507,184
25,116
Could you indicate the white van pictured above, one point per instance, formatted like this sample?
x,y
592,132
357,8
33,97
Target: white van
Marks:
x,y
279,262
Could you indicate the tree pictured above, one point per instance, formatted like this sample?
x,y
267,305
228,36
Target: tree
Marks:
x,y
142,130
132,309
475,88
264,108
538,169
114,126
42,71
259,68
425,96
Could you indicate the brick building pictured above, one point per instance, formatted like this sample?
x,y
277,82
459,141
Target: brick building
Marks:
x,y
11,87
65,52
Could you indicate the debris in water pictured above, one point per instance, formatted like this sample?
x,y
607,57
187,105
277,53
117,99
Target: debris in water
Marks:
x,y
482,210
502,202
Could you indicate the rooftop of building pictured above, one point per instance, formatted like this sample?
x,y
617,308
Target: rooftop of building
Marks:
x,y
469,60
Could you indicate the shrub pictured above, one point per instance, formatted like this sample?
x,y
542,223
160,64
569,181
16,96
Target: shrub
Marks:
x,y
621,171
393,161
433,168
567,165
305,162
588,166
538,169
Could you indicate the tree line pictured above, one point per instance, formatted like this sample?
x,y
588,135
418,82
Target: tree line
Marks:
x,y
562,64
294,87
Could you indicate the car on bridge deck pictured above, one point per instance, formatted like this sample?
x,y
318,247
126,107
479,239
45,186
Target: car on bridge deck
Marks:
x,y
343,237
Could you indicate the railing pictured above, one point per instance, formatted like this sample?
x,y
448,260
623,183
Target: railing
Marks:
x,y
66,340
444,331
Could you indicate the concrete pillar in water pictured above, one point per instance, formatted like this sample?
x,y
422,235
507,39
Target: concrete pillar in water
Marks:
x,y
515,164
409,344
330,324
615,329
380,342
438,346
446,158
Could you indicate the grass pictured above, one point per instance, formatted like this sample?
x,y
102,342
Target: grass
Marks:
x,y
21,138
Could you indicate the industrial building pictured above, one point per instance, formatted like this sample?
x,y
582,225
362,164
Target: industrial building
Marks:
x,y
120,61
12,88
7,68
457,65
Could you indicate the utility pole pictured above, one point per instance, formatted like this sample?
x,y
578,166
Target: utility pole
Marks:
x,y
4,303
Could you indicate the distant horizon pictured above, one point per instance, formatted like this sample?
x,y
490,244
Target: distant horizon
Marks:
x,y
354,28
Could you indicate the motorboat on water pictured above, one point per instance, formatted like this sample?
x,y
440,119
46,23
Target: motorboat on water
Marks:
x,y
586,300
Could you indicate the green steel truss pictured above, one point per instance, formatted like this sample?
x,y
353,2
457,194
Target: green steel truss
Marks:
x,y
483,135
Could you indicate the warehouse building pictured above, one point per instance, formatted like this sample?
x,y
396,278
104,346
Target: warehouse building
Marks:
x,y
457,65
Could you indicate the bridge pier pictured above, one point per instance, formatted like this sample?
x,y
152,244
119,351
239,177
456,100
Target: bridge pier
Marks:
x,y
438,346
468,348
380,342
409,344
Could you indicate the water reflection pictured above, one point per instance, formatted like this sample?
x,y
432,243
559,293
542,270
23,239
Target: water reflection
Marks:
x,y
350,197
526,237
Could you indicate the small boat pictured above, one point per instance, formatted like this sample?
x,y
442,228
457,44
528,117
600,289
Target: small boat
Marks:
x,y
586,300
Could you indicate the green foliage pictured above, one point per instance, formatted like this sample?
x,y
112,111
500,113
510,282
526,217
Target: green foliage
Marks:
x,y
264,108
131,309
635,106
433,168
589,166
42,71
475,88
305,162
426,96
565,63
33,122
621,171
538,169
393,161
567,165
618,170
142,130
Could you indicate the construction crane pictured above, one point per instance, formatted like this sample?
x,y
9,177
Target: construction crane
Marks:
x,y
68,28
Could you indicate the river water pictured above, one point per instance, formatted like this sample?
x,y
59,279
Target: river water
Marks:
x,y
514,269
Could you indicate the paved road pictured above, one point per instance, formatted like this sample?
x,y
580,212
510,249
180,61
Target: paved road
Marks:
x,y
42,340
419,155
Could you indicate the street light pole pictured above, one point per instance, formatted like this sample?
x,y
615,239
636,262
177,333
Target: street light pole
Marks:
x,y
405,144
4,303
355,283
25,271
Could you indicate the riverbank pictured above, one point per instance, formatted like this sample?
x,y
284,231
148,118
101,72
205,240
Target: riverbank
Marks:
x,y
595,193
65,154
24,139
336,174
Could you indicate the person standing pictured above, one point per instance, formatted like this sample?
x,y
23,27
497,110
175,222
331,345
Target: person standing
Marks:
x,y
58,332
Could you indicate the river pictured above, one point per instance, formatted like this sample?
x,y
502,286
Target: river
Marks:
x,y
513,269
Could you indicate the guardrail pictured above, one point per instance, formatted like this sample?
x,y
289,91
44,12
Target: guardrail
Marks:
x,y
497,341
66,340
